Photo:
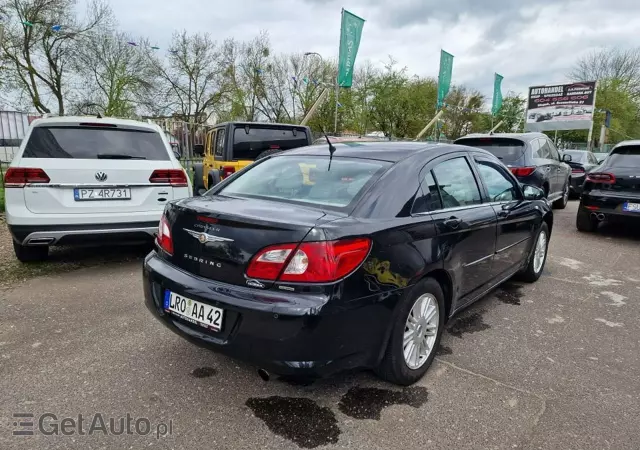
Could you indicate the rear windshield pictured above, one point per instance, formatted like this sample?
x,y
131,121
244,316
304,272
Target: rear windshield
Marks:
x,y
249,146
576,156
627,156
507,150
95,143
306,179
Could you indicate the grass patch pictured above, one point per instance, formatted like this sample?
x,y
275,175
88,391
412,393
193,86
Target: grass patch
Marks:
x,y
1,199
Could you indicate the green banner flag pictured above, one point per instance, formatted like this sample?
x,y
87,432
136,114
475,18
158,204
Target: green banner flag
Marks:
x,y
350,33
444,76
497,95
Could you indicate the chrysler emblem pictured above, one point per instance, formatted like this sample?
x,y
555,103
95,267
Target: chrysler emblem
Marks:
x,y
203,238
101,176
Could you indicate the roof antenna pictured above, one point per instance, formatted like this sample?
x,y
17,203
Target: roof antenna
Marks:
x,y
332,148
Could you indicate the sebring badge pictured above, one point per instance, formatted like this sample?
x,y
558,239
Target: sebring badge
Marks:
x,y
203,238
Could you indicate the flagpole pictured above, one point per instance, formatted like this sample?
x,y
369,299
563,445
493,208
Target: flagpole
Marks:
x,y
335,117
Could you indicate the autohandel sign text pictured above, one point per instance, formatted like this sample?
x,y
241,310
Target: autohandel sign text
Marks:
x,y
49,424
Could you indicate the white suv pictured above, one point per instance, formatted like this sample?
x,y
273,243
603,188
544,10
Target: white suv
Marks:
x,y
78,180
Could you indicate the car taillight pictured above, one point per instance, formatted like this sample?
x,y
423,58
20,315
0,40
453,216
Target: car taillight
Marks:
x,y
174,177
20,176
312,262
227,170
164,239
601,177
577,170
522,171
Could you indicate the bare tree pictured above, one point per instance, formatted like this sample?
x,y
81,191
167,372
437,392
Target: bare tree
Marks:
x,y
618,64
116,75
194,74
40,42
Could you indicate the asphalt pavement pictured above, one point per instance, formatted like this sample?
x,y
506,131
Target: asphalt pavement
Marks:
x,y
549,365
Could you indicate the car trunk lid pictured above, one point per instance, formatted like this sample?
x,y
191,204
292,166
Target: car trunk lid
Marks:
x,y
216,236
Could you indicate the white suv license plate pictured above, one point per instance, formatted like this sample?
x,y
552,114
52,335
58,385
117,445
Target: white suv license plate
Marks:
x,y
193,311
631,207
80,194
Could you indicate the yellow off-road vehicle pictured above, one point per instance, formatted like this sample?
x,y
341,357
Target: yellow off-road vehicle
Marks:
x,y
230,146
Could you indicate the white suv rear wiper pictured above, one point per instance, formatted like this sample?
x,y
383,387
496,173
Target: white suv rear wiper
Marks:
x,y
118,156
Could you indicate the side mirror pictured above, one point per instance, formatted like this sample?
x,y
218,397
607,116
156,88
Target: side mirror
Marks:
x,y
566,158
177,154
532,192
198,149
600,161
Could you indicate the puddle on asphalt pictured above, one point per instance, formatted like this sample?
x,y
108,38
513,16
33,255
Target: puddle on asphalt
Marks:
x,y
468,324
442,350
368,403
204,372
300,420
510,293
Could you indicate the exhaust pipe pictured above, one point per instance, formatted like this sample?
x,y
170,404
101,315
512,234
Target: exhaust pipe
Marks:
x,y
40,241
599,216
264,374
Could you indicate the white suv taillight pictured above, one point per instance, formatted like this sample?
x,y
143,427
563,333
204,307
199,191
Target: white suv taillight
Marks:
x,y
164,240
18,177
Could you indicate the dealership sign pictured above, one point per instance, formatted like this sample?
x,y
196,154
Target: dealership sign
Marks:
x,y
561,107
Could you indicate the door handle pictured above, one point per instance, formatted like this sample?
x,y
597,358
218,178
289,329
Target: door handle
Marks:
x,y
453,222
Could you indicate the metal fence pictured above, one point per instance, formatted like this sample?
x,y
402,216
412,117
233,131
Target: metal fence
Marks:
x,y
13,127
183,136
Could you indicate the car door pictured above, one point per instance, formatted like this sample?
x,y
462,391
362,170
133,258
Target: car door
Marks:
x,y
562,170
546,164
466,227
515,216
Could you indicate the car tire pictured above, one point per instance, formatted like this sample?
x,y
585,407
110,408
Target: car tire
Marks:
x,y
33,253
198,180
584,222
535,265
394,366
269,152
561,203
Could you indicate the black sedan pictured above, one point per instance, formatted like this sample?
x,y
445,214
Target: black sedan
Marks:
x,y
305,264
612,192
582,162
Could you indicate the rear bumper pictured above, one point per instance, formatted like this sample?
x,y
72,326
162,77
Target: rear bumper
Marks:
x,y
285,333
610,204
576,183
82,234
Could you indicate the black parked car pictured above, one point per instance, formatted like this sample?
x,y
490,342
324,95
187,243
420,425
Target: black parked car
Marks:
x,y
612,191
306,265
582,162
532,158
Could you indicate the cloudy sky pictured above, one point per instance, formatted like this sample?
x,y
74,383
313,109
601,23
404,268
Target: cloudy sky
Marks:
x,y
528,42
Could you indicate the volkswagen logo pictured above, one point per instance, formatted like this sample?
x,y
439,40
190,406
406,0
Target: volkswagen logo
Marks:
x,y
101,176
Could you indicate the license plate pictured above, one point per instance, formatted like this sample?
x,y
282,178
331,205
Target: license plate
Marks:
x,y
193,311
631,207
80,194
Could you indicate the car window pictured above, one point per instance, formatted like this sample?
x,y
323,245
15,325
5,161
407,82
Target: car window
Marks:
x,y
625,156
456,183
428,198
85,142
500,187
553,151
306,179
249,142
592,158
545,151
578,156
535,148
220,143
507,150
